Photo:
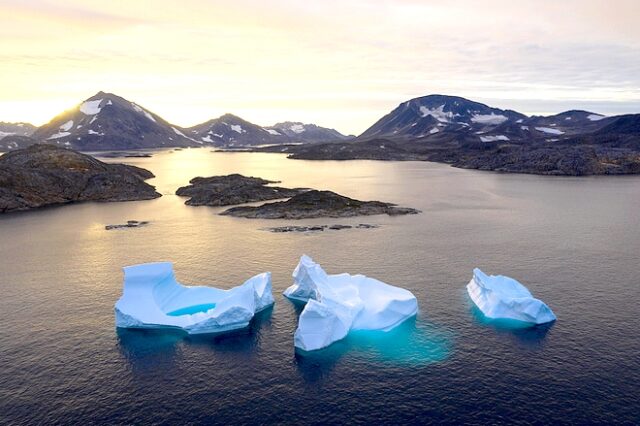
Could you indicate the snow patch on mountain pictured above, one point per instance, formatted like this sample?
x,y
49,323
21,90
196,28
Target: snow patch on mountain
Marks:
x,y
146,113
58,135
494,138
67,126
91,107
492,118
550,131
297,128
273,132
434,131
237,128
595,117
437,113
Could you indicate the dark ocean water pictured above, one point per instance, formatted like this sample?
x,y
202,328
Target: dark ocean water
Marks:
x,y
575,242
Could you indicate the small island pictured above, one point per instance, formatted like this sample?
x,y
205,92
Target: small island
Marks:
x,y
231,190
43,175
314,203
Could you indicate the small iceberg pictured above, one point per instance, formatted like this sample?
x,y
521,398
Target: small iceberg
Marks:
x,y
152,298
337,304
500,297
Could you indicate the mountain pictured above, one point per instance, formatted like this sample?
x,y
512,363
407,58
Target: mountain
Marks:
x,y
229,130
430,115
106,121
232,131
13,142
452,118
300,132
469,134
16,129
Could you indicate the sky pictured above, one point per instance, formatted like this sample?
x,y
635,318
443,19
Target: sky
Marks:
x,y
340,64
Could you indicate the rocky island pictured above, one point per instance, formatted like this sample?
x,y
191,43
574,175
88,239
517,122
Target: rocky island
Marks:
x,y
231,190
313,204
42,175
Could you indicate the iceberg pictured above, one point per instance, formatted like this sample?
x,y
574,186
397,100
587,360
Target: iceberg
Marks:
x,y
337,304
500,297
152,298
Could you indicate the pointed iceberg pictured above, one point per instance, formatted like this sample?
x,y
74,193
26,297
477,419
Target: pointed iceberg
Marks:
x,y
337,304
500,297
152,298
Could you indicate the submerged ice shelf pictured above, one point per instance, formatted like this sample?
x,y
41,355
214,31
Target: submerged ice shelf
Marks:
x,y
337,304
152,298
500,297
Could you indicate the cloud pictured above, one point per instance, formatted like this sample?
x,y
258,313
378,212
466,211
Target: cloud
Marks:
x,y
342,63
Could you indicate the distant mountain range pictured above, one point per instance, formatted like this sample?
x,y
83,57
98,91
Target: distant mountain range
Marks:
x,y
15,135
469,134
108,122
438,117
438,128
231,131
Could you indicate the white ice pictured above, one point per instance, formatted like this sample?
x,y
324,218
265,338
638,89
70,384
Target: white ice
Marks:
x,y
91,107
500,297
273,132
339,303
152,298
434,131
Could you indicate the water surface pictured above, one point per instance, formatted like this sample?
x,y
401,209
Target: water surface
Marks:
x,y
573,241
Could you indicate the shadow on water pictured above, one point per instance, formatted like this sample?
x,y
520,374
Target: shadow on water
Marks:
x,y
147,349
413,343
530,336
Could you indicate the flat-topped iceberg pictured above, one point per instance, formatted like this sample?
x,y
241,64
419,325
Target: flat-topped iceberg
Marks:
x,y
339,303
152,298
500,297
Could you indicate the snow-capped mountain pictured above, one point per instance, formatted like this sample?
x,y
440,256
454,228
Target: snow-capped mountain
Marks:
x,y
438,117
232,131
301,132
430,115
106,121
18,129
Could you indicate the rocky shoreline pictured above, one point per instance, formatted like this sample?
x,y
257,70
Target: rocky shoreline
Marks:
x,y
579,156
129,224
43,175
314,204
319,228
231,190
